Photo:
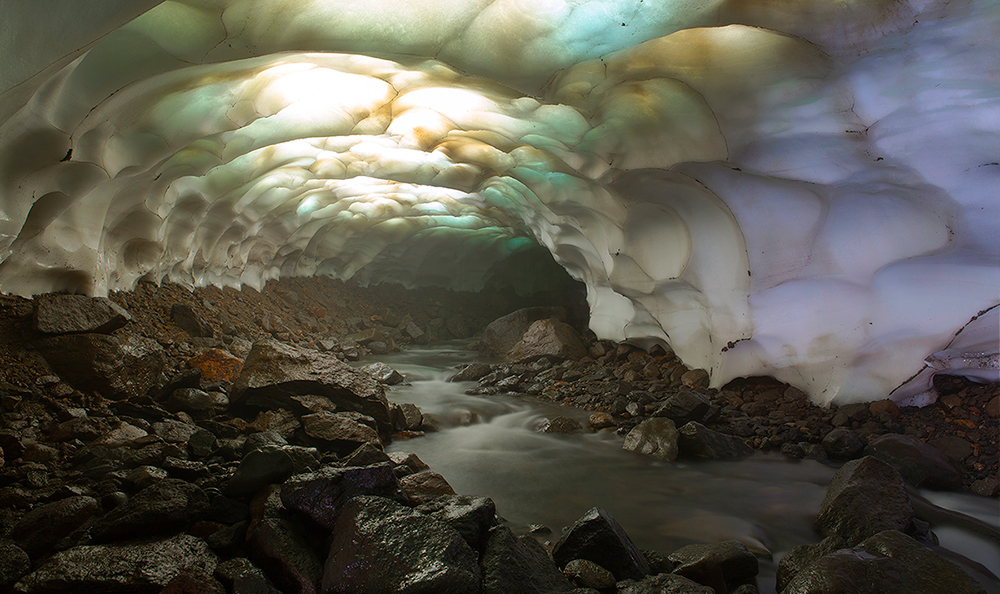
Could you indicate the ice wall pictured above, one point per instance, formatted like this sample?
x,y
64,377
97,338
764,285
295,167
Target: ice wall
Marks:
x,y
793,188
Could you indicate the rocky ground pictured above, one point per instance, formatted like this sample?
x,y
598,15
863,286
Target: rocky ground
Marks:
x,y
166,441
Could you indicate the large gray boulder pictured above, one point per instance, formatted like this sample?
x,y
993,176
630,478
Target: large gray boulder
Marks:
x,y
119,367
685,406
382,547
656,437
547,338
320,494
142,568
503,333
724,565
275,373
597,537
698,441
167,505
513,565
77,314
887,562
921,464
865,497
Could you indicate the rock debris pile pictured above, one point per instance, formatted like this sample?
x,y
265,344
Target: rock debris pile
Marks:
x,y
217,442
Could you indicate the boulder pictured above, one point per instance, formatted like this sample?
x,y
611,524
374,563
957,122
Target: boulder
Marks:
x,y
77,314
188,320
472,372
46,525
597,537
320,494
422,487
275,372
265,466
241,576
842,443
287,548
723,566
865,497
698,441
217,365
656,437
587,574
803,556
922,465
145,567
502,334
561,425
513,565
14,563
118,367
408,417
547,338
886,562
167,505
472,517
685,406
665,583
382,547
343,429
383,374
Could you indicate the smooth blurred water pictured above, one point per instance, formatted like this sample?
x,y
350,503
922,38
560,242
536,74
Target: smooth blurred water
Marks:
x,y
489,446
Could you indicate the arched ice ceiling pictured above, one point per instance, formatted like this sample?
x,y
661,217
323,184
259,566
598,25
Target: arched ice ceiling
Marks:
x,y
800,188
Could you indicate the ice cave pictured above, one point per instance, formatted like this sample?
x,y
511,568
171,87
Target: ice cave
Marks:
x,y
796,188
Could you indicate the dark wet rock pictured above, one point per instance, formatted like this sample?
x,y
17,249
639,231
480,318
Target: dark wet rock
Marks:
x,y
169,505
202,443
886,562
240,576
366,455
228,540
188,470
952,446
173,431
383,374
194,400
118,367
46,525
502,334
600,420
77,314
657,562
513,565
14,563
262,440
597,537
282,545
842,443
665,583
723,566
407,463
407,417
274,372
380,546
865,497
547,338
656,437
561,425
471,373
698,441
920,464
685,406
803,556
320,494
587,574
260,467
145,567
189,321
746,589
422,487
472,517
344,429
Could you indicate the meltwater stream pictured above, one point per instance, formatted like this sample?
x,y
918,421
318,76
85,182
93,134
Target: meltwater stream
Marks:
x,y
488,446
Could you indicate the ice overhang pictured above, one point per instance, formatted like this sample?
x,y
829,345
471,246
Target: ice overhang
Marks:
x,y
794,188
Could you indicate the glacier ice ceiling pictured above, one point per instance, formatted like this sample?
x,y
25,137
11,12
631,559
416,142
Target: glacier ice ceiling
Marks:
x,y
800,188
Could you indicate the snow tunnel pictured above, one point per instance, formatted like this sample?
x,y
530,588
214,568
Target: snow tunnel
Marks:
x,y
794,188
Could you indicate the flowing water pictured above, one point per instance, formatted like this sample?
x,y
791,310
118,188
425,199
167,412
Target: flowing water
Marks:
x,y
488,446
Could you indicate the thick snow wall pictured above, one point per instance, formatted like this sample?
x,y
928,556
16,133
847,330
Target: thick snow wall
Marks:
x,y
797,188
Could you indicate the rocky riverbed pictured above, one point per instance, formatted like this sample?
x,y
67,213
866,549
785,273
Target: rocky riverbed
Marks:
x,y
216,441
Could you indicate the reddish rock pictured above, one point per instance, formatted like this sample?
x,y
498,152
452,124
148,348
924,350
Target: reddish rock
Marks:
x,y
424,486
217,365
993,407
883,406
